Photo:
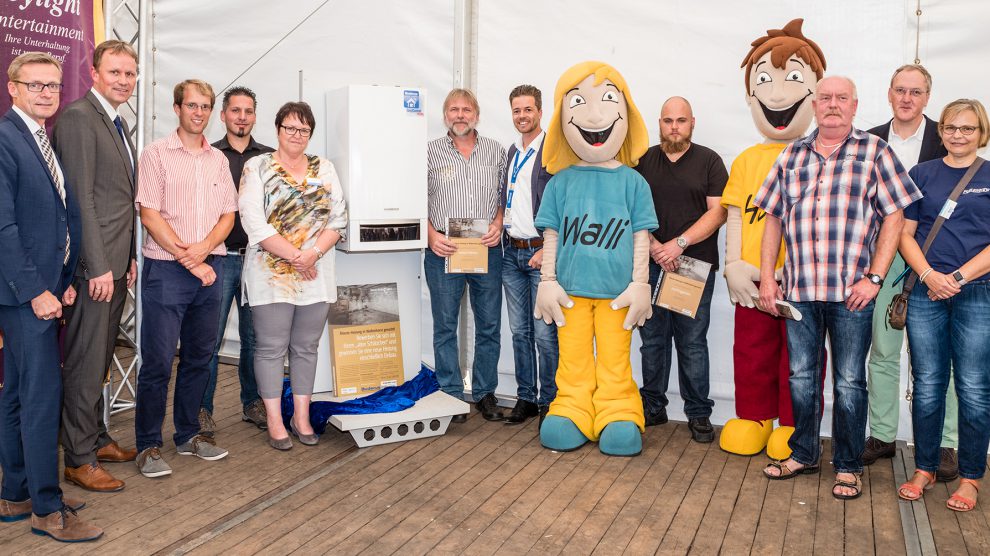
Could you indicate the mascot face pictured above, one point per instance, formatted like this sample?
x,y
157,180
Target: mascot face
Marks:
x,y
780,98
782,70
595,119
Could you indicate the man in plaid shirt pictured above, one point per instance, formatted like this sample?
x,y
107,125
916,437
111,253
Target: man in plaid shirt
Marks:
x,y
836,196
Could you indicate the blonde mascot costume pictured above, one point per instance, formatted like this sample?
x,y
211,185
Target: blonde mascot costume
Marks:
x,y
782,71
597,214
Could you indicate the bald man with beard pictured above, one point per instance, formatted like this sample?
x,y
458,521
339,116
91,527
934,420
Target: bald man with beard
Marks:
x,y
686,180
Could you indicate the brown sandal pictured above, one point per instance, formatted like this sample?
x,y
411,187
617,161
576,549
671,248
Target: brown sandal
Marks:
x,y
915,492
969,503
856,485
786,472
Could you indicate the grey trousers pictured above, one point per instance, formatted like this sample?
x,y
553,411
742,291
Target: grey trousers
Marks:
x,y
281,328
90,338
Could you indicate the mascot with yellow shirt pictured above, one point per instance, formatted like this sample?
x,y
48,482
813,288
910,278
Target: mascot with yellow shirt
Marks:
x,y
597,214
782,70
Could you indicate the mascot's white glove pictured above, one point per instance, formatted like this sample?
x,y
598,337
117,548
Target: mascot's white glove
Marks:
x,y
637,294
550,296
740,275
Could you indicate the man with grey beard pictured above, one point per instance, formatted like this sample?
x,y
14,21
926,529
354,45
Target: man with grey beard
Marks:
x,y
465,172
686,180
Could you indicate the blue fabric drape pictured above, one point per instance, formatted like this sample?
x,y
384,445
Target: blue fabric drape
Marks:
x,y
386,400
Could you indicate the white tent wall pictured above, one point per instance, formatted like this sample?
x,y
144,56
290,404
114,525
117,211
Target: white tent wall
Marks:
x,y
663,48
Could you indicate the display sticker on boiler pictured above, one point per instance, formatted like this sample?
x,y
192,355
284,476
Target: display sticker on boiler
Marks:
x,y
410,99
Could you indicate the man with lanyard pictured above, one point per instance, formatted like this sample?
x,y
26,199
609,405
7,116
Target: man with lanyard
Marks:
x,y
238,115
915,139
523,257
840,194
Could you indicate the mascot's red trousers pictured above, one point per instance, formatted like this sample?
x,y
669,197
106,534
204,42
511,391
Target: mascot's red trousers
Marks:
x,y
762,368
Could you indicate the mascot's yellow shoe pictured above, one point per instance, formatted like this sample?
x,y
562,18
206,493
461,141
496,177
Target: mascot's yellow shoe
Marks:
x,y
777,447
745,437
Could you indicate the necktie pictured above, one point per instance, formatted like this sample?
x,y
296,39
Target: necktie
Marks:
x,y
46,151
120,131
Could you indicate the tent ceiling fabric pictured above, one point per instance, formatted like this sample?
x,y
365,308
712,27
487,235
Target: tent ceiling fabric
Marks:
x,y
673,47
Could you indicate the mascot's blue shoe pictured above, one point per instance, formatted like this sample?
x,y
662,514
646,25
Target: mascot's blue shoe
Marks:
x,y
561,434
621,438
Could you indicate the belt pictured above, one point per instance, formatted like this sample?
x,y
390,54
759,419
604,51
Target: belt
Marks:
x,y
531,243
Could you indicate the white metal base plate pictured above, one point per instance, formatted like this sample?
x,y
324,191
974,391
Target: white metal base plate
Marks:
x,y
429,417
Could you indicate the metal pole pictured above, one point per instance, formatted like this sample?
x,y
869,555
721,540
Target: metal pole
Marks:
x,y
143,126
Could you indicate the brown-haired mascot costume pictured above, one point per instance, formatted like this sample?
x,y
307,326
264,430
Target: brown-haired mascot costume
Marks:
x,y
782,70
597,214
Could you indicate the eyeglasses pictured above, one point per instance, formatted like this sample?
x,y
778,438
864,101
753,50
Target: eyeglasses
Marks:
x,y
302,131
951,129
916,93
38,87
192,107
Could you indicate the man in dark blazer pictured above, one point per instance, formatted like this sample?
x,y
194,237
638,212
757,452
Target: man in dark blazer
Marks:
x,y
99,162
39,245
526,179
914,137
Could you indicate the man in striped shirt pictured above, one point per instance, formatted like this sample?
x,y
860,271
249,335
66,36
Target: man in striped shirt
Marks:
x,y
464,177
837,197
187,201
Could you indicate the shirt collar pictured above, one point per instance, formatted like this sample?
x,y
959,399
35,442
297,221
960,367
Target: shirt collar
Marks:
x,y
534,144
450,138
224,145
173,142
110,110
32,125
918,134
809,140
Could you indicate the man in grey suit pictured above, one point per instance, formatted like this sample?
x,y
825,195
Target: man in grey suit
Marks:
x,y
92,142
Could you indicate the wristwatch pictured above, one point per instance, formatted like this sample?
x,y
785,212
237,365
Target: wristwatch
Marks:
x,y
682,242
958,276
875,279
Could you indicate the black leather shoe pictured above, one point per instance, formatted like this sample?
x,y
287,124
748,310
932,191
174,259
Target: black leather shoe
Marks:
x,y
656,418
523,410
544,409
948,466
461,418
876,449
702,430
488,407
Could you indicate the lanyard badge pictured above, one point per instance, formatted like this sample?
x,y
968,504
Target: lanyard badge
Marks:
x,y
516,167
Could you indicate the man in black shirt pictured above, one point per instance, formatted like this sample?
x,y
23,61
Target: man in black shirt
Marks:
x,y
238,115
687,182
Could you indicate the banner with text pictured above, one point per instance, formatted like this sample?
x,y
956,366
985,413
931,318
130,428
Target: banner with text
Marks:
x,y
69,30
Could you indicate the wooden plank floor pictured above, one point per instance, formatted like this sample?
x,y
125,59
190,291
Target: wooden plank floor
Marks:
x,y
487,488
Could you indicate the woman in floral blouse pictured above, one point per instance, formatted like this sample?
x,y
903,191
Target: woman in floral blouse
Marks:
x,y
292,208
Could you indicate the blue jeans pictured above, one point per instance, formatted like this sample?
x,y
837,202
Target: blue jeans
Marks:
x,y
849,334
231,292
446,291
175,307
529,334
951,333
690,338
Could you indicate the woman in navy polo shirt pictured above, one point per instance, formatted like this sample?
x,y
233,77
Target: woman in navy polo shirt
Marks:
x,y
948,321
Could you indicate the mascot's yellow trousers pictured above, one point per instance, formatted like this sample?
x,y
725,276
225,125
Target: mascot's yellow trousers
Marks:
x,y
593,392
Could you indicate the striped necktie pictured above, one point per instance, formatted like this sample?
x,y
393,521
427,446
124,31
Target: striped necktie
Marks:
x,y
46,150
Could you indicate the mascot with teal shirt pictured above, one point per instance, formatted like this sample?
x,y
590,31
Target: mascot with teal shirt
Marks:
x,y
782,70
597,214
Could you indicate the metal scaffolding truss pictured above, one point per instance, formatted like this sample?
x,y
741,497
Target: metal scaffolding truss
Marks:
x,y
127,20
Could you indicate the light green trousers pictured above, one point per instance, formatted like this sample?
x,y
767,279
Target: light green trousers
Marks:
x,y
884,371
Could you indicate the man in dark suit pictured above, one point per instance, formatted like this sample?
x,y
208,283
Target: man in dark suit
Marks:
x,y
90,139
915,139
526,179
39,245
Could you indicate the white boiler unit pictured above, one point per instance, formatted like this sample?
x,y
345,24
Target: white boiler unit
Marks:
x,y
376,139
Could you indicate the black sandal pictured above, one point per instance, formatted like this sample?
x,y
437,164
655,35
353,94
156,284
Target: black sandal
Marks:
x,y
857,486
786,472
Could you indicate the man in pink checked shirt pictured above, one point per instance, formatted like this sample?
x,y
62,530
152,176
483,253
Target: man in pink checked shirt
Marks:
x,y
187,201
